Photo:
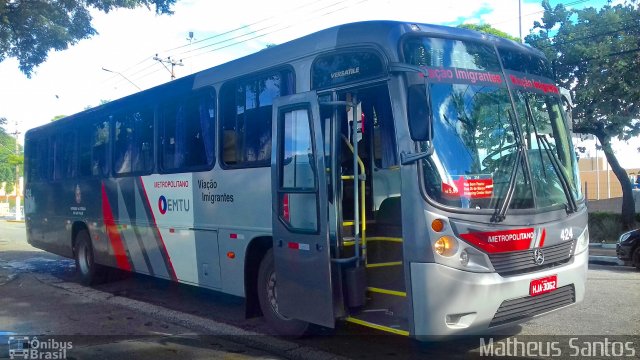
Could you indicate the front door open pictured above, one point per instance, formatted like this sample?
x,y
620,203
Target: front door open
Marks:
x,y
299,211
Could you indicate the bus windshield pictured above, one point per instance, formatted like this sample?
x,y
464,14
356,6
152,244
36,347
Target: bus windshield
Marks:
x,y
486,149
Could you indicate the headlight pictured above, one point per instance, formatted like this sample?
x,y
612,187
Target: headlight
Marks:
x,y
446,246
624,236
582,243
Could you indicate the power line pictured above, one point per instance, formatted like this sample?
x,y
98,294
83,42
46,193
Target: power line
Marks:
x,y
277,30
252,32
605,56
238,36
592,36
236,29
576,2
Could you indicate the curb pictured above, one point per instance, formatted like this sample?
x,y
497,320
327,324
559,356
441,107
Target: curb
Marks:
x,y
274,345
602,246
605,260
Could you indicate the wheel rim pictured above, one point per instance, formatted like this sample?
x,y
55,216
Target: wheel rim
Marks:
x,y
272,295
84,259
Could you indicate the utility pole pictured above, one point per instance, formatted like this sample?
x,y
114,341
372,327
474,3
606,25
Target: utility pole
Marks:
x,y
17,186
520,20
171,62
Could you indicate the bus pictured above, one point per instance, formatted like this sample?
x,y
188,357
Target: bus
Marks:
x,y
413,178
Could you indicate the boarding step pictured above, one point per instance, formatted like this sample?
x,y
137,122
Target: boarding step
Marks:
x,y
381,319
387,279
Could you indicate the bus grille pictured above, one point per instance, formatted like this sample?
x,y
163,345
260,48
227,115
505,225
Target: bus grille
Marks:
x,y
518,262
526,307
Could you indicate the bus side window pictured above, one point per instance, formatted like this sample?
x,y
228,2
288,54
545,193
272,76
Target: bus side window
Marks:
x,y
246,118
43,159
84,150
187,137
33,160
69,155
99,148
133,150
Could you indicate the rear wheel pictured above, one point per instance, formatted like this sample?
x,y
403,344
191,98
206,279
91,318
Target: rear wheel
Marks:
x,y
268,297
89,272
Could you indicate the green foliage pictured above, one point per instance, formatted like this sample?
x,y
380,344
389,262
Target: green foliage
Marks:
x,y
607,227
58,117
30,29
595,53
8,157
486,28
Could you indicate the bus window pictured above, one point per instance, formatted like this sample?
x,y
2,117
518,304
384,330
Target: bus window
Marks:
x,y
55,161
246,118
133,148
100,148
43,160
187,133
84,151
37,160
67,167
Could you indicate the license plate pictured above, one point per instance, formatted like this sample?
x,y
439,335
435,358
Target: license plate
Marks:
x,y
543,285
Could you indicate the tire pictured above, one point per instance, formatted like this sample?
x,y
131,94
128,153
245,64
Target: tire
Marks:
x,y
89,272
268,298
635,258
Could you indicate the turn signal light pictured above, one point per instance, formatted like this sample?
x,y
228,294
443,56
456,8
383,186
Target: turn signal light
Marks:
x,y
437,225
445,246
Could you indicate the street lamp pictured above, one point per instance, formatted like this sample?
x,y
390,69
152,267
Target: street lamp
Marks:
x,y
124,77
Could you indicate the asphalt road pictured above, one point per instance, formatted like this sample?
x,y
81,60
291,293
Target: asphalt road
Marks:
x,y
142,317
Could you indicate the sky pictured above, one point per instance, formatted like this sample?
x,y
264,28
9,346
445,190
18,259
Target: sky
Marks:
x,y
128,40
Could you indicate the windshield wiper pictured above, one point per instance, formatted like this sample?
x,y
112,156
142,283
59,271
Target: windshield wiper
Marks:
x,y
535,130
501,211
572,206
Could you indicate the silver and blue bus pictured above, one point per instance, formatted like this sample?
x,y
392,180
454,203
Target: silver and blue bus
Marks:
x,y
413,178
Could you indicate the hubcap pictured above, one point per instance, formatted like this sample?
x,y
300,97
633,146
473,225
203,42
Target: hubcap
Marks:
x,y
272,295
84,259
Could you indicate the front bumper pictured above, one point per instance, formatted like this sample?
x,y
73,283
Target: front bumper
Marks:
x,y
448,301
623,252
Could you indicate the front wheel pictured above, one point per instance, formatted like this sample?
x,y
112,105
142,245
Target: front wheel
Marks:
x,y
89,272
268,298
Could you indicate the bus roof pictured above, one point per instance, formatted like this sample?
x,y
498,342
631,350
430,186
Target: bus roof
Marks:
x,y
383,34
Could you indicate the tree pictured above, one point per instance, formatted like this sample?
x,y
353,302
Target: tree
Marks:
x,y
486,28
596,54
29,29
8,157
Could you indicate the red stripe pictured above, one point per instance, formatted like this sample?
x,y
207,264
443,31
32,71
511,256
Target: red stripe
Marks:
x,y
163,248
294,245
544,234
112,232
501,241
233,236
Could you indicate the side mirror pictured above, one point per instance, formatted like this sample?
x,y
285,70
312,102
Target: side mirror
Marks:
x,y
419,113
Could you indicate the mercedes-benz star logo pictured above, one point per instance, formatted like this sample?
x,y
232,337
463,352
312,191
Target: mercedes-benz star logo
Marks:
x,y
538,257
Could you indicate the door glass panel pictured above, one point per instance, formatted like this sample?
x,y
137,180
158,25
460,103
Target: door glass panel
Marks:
x,y
299,211
298,169
298,197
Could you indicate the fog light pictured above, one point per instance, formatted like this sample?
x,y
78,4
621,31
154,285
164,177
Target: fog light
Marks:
x,y
464,258
445,246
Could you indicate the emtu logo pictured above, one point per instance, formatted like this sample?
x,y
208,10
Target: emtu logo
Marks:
x,y
170,205
162,204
